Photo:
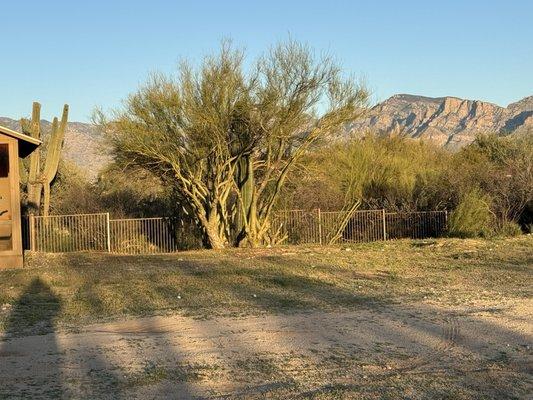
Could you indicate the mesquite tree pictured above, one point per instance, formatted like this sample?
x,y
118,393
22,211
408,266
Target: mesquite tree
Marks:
x,y
227,139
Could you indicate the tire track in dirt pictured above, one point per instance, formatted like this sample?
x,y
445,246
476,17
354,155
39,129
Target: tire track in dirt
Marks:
x,y
450,336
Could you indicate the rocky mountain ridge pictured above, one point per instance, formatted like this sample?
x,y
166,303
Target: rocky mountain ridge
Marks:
x,y
447,121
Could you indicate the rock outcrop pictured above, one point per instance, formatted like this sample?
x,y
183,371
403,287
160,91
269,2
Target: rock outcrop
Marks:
x,y
447,121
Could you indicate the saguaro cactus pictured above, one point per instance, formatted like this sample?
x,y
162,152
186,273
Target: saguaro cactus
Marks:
x,y
34,187
41,180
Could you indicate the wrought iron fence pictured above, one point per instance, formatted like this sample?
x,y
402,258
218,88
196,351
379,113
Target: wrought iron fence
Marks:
x,y
142,236
68,233
299,227
416,225
97,232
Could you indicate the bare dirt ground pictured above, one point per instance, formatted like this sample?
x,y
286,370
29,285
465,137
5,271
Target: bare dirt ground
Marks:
x,y
395,351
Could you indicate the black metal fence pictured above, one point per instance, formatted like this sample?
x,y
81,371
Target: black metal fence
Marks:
x,y
300,227
97,232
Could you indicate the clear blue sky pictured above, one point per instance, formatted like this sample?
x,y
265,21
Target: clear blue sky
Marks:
x,y
90,53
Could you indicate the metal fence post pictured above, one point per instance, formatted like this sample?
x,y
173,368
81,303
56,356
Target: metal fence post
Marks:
x,y
32,232
319,226
108,231
384,224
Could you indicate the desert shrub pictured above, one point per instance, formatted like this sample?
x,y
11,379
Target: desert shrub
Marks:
x,y
407,175
472,217
133,193
72,192
501,167
384,172
508,229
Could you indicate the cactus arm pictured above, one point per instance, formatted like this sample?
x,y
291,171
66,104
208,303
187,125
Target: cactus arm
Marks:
x,y
54,147
53,155
34,185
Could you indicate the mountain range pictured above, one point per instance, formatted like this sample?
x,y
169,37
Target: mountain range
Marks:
x,y
83,145
447,121
450,122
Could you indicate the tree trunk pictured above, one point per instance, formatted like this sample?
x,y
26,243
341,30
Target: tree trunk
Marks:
x,y
214,241
214,236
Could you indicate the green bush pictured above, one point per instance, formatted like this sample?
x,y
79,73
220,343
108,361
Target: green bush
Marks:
x,y
472,217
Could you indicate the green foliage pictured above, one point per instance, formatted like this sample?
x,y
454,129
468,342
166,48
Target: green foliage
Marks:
x,y
225,138
492,176
133,193
472,217
383,172
501,167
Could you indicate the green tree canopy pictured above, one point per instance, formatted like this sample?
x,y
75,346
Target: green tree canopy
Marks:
x,y
227,137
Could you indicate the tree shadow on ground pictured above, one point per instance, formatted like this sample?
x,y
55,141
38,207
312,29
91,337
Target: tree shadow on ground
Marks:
x,y
31,360
282,289
34,313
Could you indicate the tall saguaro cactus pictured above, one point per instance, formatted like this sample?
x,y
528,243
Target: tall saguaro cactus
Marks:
x,y
40,180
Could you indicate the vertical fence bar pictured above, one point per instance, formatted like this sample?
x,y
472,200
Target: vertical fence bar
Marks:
x,y
32,232
319,226
108,232
384,222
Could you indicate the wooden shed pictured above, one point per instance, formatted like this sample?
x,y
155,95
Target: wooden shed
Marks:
x,y
12,146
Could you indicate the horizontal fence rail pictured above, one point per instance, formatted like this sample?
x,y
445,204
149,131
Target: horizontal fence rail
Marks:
x,y
97,232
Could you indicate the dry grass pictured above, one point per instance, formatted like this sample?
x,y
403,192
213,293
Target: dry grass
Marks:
x,y
84,288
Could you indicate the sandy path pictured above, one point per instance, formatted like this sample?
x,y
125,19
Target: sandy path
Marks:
x,y
277,356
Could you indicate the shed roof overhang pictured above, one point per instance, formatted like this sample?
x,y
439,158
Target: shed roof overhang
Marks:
x,y
27,144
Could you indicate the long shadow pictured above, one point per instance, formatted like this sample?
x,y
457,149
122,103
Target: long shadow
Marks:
x,y
285,290
22,373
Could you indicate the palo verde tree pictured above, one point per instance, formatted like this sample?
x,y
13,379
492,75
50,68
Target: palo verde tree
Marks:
x,y
227,138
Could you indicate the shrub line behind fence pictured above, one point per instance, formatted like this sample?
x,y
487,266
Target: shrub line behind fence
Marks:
x,y
98,232
316,226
